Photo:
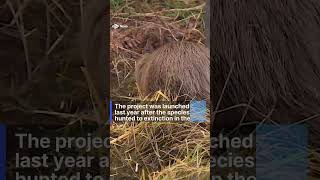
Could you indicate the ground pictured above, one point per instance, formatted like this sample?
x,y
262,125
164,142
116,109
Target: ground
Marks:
x,y
154,150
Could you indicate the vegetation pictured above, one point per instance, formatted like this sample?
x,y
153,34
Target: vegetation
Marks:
x,y
157,150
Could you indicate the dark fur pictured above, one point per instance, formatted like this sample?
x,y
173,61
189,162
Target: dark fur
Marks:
x,y
178,68
265,63
274,48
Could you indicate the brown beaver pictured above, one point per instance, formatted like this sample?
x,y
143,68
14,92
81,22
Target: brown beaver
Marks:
x,y
180,69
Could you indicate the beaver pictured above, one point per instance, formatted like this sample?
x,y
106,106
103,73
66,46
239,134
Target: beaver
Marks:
x,y
269,61
266,64
180,69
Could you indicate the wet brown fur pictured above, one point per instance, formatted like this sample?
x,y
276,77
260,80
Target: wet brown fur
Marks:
x,y
178,69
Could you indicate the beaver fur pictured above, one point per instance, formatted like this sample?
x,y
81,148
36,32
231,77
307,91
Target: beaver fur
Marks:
x,y
176,68
265,64
265,54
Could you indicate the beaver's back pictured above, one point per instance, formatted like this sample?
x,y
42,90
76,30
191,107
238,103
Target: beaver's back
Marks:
x,y
178,68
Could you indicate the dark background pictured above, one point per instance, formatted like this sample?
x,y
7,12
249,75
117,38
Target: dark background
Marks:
x,y
53,68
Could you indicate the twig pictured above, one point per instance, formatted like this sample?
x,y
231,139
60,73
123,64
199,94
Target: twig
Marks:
x,y
222,93
65,115
19,23
199,7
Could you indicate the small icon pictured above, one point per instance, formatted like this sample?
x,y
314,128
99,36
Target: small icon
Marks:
x,y
117,26
198,111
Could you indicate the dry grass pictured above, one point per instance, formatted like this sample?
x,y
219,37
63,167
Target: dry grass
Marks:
x,y
41,75
154,150
127,43
167,150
